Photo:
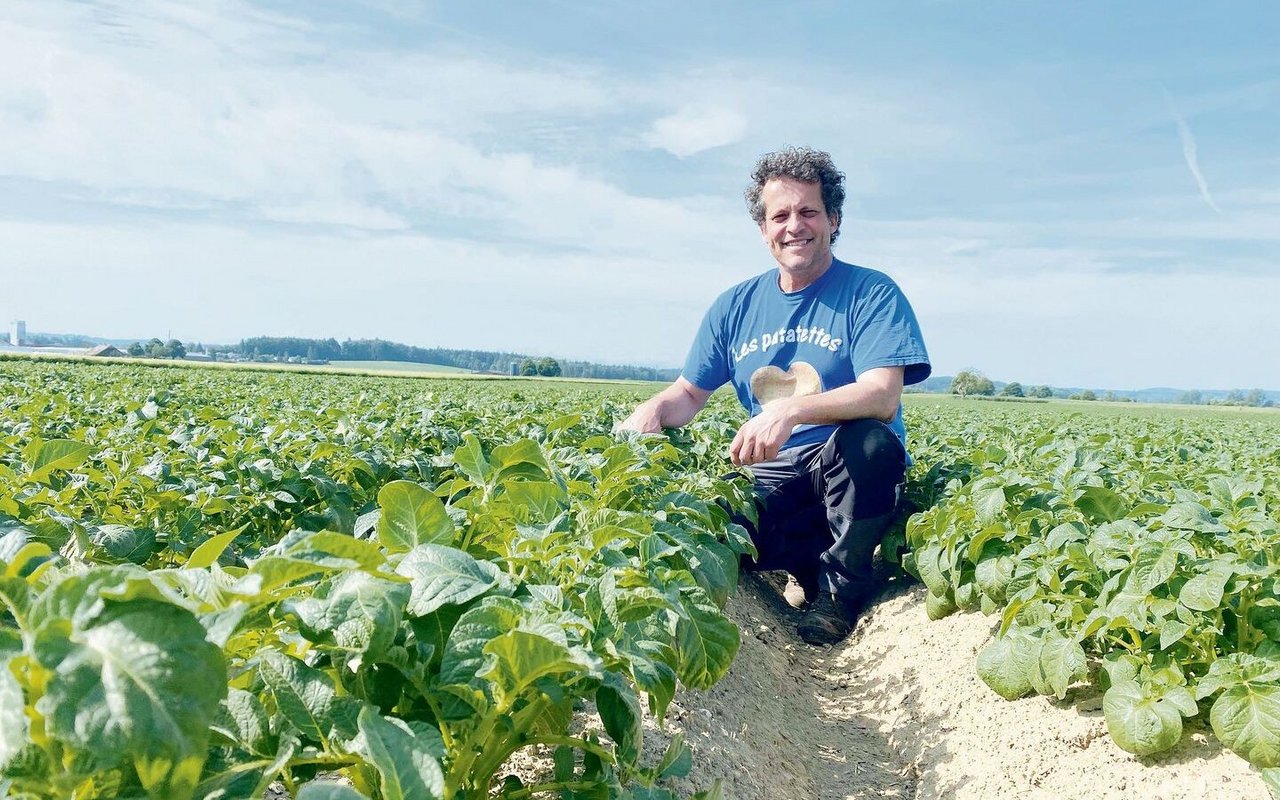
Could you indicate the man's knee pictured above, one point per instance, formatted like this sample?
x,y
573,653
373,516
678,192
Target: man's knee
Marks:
x,y
865,443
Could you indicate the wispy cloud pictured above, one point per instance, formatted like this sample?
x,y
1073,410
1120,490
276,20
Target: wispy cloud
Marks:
x,y
693,129
1189,153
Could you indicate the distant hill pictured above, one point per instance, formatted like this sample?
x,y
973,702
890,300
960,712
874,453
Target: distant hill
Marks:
x,y
941,384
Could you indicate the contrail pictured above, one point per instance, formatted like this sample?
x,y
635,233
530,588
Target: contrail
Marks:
x,y
1189,153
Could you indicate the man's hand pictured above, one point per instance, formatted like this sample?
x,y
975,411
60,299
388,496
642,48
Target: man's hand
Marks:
x,y
673,407
645,419
762,435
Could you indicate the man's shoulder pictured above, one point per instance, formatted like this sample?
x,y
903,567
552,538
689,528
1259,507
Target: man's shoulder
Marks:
x,y
848,272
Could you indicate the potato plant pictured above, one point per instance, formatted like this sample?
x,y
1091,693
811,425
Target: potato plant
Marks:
x,y
1143,551
210,585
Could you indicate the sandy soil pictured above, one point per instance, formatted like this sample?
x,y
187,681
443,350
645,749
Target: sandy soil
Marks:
x,y
898,711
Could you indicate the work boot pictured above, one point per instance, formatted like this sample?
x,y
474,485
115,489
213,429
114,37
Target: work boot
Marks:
x,y
802,587
828,621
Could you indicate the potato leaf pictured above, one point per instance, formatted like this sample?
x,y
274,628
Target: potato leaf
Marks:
x,y
1246,717
142,684
356,611
412,515
407,769
620,712
1006,664
303,695
1141,720
706,642
1059,663
441,576
56,454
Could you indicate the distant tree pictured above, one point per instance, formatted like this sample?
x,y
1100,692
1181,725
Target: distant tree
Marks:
x,y
1013,389
1191,398
967,382
175,349
155,349
528,367
549,368
1235,397
1040,391
1255,397
1110,396
136,350
1088,394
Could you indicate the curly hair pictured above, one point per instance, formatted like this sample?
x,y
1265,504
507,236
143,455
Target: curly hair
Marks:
x,y
801,164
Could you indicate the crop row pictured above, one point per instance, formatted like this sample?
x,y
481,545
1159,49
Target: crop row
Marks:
x,y
219,584
1138,551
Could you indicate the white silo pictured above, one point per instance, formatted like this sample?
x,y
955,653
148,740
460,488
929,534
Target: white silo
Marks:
x,y
17,332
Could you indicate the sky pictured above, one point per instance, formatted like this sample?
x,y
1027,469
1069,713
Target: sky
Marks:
x,y
1078,194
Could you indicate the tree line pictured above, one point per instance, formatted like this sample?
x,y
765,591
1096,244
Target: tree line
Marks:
x,y
474,360
158,349
971,382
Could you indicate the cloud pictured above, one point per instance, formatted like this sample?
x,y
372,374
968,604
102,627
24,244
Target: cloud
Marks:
x,y
224,282
694,129
1189,153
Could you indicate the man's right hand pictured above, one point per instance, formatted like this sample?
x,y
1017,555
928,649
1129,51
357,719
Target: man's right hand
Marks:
x,y
673,407
645,419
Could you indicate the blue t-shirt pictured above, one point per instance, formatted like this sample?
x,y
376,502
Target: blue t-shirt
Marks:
x,y
850,320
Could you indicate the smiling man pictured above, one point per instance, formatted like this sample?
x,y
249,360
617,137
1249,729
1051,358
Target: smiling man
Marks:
x,y
818,351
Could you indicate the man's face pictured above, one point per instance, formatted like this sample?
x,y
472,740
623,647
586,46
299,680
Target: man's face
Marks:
x,y
797,228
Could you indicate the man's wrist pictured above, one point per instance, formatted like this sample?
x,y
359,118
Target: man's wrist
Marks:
x,y
791,410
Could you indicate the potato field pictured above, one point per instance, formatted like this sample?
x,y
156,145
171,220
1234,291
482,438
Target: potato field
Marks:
x,y
217,584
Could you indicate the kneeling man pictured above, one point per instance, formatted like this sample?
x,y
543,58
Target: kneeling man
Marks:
x,y
818,351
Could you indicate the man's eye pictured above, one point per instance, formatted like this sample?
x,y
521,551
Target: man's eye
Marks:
x,y
809,212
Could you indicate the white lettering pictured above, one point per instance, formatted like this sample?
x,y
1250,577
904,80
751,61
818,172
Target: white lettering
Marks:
x,y
814,335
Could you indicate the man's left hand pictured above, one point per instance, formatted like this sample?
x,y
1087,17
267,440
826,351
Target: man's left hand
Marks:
x,y
762,436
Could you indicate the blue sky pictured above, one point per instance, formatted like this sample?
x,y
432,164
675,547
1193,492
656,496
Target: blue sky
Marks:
x,y
1076,194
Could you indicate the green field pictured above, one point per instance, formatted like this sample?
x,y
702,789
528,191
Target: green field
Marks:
x,y
398,366
313,573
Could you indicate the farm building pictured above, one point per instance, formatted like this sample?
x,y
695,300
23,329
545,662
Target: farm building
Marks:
x,y
106,350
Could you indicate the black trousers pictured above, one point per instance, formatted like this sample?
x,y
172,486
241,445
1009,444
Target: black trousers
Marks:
x,y
826,505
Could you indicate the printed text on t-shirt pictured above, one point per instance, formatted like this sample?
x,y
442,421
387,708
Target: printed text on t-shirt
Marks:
x,y
815,336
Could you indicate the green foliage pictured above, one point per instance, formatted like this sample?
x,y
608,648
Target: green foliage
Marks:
x,y
237,581
967,382
544,367
1145,546
470,360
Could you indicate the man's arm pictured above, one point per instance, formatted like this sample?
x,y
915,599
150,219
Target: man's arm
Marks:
x,y
673,407
875,395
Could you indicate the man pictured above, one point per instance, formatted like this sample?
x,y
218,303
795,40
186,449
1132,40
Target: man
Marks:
x,y
818,351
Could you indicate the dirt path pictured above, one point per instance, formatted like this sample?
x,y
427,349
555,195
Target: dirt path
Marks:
x,y
775,726
897,711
